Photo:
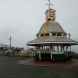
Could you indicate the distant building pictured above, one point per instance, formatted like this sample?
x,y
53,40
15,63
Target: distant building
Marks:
x,y
52,42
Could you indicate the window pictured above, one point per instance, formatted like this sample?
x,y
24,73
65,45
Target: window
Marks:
x,y
49,19
59,34
42,35
37,35
54,34
47,34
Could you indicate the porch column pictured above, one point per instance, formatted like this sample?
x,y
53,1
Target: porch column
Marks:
x,y
61,48
57,48
51,55
39,55
70,51
33,53
70,48
66,48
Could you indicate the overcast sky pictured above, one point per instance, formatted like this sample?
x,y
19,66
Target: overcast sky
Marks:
x,y
23,19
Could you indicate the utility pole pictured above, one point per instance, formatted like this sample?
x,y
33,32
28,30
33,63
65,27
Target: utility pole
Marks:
x,y
10,41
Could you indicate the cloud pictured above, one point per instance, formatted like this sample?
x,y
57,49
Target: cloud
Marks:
x,y
25,17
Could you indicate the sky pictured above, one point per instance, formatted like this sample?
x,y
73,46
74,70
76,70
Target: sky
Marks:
x,y
23,19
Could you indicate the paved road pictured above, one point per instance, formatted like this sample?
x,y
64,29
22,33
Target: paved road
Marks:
x,y
11,67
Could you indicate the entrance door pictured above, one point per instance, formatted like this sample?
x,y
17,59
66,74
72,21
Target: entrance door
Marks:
x,y
42,56
45,56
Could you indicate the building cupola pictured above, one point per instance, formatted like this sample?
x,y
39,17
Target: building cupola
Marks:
x,y
50,13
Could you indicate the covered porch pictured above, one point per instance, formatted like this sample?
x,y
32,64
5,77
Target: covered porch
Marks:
x,y
52,53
